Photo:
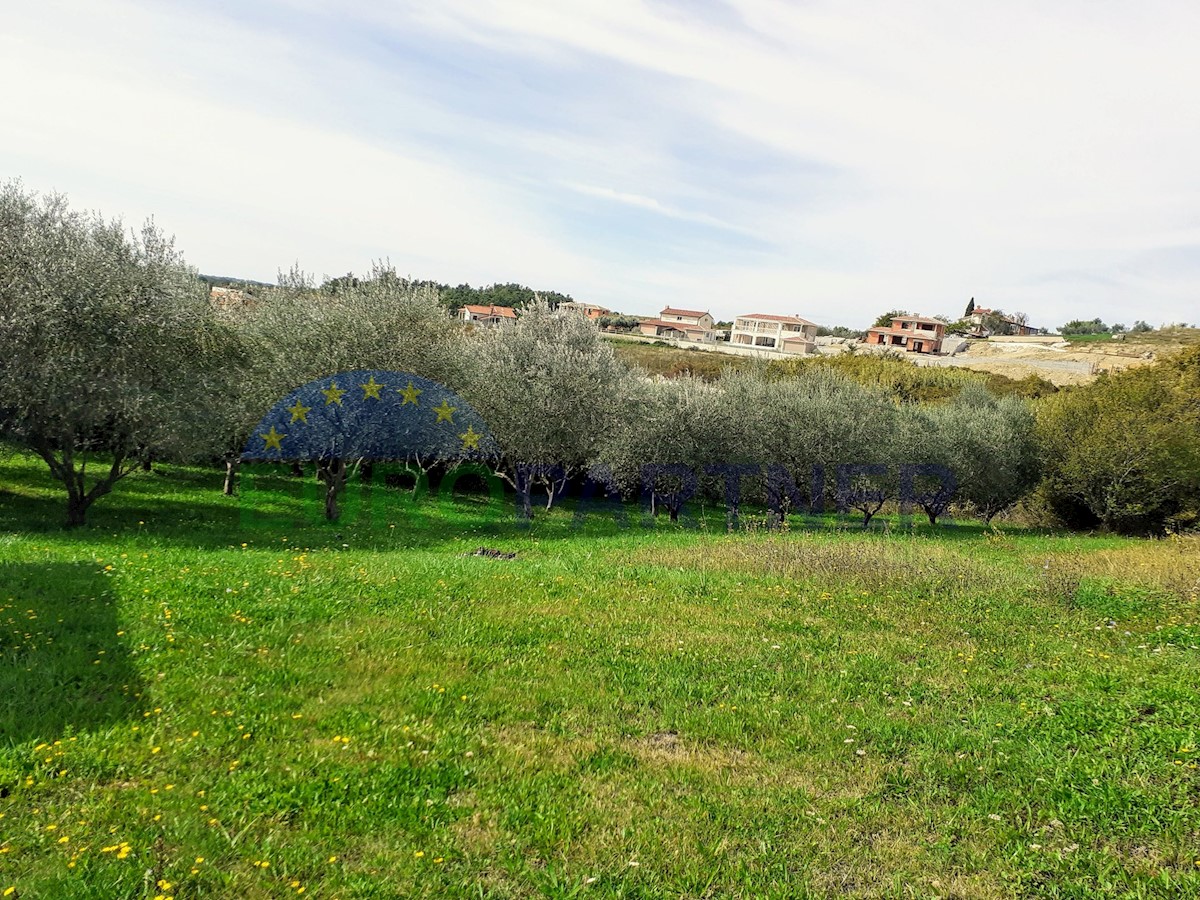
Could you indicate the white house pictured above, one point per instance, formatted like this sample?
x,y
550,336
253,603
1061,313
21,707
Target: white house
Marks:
x,y
488,316
787,334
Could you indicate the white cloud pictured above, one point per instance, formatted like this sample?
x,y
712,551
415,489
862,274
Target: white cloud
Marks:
x,y
1033,156
245,190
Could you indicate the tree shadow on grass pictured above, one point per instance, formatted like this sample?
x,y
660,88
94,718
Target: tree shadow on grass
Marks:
x,y
184,508
63,666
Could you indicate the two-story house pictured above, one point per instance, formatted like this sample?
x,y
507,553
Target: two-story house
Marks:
x,y
912,334
788,334
680,324
488,316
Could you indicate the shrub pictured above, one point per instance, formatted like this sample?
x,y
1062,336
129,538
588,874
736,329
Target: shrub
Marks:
x,y
1124,451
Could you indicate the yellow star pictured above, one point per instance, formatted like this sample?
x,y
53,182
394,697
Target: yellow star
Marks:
x,y
299,412
333,394
444,412
273,438
470,439
410,394
371,389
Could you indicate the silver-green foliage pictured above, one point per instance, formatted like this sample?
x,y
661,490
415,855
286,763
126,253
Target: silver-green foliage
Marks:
x,y
108,345
667,427
549,389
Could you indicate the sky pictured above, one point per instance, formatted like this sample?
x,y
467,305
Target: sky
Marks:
x,y
824,159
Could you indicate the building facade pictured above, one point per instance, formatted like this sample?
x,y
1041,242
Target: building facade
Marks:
x,y
680,325
912,334
787,334
591,310
488,316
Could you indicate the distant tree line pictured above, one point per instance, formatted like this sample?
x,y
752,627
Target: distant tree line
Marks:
x,y
111,355
1097,326
841,331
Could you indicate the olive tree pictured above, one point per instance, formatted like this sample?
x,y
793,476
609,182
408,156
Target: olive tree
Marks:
x,y
300,333
997,463
812,425
109,348
983,444
673,441
549,387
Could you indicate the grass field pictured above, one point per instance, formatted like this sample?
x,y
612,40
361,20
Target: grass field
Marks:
x,y
1165,339
198,708
662,359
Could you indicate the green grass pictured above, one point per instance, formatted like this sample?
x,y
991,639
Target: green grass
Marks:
x,y
635,713
1167,339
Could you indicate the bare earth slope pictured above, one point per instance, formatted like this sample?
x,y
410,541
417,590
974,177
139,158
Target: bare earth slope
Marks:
x,y
1069,362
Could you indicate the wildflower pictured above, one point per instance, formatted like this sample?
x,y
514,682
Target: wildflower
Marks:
x,y
419,853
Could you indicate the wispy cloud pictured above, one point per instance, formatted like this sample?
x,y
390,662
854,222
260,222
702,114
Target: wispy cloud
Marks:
x,y
650,204
790,157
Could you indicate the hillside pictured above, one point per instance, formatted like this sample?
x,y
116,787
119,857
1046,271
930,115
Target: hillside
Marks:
x,y
1081,359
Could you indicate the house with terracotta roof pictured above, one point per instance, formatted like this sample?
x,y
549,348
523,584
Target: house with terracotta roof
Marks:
x,y
680,325
786,334
912,334
488,316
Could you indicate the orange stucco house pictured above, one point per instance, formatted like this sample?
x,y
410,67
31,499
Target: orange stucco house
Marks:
x,y
912,334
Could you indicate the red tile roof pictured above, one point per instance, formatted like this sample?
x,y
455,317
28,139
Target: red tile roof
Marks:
x,y
505,312
671,311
